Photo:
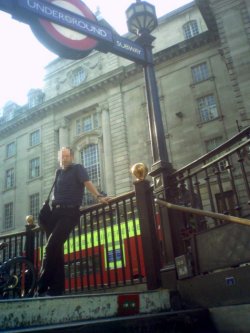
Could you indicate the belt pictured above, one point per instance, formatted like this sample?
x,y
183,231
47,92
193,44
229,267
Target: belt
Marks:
x,y
64,206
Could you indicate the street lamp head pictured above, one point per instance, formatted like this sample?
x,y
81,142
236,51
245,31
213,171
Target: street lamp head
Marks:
x,y
141,17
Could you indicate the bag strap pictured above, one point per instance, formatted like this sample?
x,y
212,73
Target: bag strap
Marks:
x,y
54,183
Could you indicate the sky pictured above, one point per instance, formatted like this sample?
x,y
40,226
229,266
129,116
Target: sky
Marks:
x,y
23,57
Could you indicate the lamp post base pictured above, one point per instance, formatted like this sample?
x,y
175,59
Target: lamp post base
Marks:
x,y
165,186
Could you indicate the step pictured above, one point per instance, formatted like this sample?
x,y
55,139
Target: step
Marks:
x,y
42,311
195,321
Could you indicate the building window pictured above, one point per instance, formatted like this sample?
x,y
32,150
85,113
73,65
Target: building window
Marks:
x,y
90,160
211,145
8,216
190,29
9,110
35,97
226,198
9,178
34,168
9,115
86,124
78,76
34,205
11,149
207,108
200,72
35,138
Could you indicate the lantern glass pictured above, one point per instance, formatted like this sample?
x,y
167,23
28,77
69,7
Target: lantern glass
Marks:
x,y
141,16
139,8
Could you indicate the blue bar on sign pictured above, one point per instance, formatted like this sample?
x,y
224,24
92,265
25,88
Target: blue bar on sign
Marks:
x,y
124,45
67,19
110,42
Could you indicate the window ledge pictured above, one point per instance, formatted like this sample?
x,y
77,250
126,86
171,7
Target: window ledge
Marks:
x,y
86,133
9,189
37,145
30,180
201,123
9,157
194,84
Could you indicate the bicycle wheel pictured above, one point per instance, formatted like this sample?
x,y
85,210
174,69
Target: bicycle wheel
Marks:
x,y
19,278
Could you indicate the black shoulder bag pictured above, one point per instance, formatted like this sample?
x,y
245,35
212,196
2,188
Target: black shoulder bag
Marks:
x,y
45,212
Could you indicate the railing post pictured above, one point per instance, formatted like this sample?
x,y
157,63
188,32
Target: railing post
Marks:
x,y
30,238
171,241
150,243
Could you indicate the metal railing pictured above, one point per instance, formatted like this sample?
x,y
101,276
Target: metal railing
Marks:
x,y
128,241
16,245
212,191
103,251
218,181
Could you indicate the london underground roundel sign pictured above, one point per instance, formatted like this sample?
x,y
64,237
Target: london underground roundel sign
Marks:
x,y
59,39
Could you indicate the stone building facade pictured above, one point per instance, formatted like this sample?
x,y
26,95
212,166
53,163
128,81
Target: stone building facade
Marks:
x,y
97,105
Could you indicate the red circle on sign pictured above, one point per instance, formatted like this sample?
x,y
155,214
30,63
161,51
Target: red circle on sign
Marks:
x,y
81,44
64,41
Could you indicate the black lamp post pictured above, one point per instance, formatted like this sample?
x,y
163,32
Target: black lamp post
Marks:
x,y
142,20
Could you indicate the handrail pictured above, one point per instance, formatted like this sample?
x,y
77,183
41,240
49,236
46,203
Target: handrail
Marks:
x,y
229,218
215,151
114,199
229,152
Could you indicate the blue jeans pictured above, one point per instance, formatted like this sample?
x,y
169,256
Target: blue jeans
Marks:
x,y
51,277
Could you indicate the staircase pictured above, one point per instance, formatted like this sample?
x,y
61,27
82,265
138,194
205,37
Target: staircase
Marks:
x,y
112,312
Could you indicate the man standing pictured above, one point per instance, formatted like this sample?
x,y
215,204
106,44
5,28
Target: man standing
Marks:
x,y
68,192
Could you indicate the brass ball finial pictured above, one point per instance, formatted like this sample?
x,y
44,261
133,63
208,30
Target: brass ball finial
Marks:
x,y
140,171
30,219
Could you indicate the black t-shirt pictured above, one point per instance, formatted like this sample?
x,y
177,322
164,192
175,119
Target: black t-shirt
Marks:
x,y
69,187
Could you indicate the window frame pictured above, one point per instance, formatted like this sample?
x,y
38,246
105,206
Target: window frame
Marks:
x,y
78,76
34,205
82,128
35,98
218,140
229,198
198,74
190,29
222,164
12,179
37,174
206,110
92,164
38,131
10,152
8,225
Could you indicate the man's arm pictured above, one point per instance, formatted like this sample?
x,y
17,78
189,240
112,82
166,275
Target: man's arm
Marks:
x,y
93,190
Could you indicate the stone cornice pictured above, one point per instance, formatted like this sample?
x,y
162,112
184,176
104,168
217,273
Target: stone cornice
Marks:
x,y
42,110
112,77
185,46
21,120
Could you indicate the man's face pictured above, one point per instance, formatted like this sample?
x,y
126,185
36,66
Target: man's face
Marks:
x,y
65,158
